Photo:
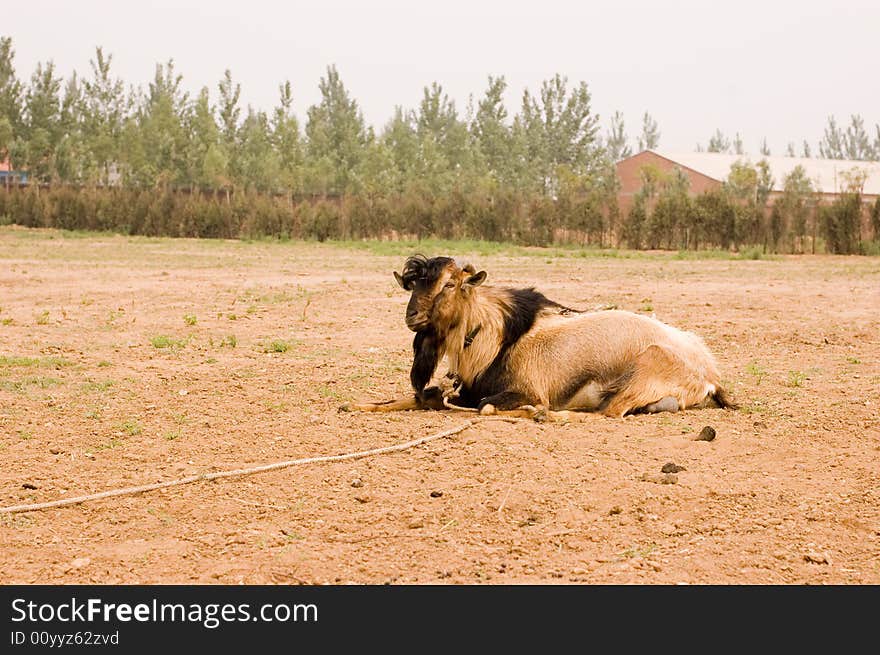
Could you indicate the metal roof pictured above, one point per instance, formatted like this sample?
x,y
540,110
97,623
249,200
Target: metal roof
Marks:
x,y
825,174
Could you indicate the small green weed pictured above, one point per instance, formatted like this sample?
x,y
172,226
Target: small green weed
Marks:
x,y
164,341
756,370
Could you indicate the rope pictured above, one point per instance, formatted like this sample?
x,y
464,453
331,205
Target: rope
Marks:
x,y
250,471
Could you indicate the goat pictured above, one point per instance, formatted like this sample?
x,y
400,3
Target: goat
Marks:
x,y
516,352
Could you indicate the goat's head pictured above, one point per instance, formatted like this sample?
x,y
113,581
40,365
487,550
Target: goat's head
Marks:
x,y
439,288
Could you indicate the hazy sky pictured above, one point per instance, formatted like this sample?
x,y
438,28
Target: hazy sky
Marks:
x,y
774,69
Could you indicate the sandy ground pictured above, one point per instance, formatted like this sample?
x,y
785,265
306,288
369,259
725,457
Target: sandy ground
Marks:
x,y
130,361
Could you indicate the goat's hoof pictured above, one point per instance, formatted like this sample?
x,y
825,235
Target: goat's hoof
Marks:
x,y
541,416
345,407
487,410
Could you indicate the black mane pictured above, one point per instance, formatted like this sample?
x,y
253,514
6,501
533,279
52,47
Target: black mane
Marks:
x,y
419,267
525,305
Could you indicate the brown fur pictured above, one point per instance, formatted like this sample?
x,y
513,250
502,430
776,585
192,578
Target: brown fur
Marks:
x,y
613,362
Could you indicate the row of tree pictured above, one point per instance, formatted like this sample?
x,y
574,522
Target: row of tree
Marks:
x,y
542,176
663,215
96,130
853,142
745,211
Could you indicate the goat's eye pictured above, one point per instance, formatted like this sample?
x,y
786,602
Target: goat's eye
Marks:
x,y
449,285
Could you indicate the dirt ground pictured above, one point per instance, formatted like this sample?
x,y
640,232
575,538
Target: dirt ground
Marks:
x,y
127,361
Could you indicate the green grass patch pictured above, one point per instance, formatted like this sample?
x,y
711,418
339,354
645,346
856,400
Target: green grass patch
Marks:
x,y
42,318
229,341
190,319
110,444
796,378
132,427
164,341
39,362
757,371
276,346
481,248
100,387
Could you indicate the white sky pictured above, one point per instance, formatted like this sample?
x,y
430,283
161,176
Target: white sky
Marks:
x,y
771,68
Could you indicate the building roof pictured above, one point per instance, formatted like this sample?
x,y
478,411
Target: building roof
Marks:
x,y
824,173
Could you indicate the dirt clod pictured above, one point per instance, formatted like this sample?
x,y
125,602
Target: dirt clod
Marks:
x,y
357,483
659,478
671,467
817,558
436,494
706,434
28,485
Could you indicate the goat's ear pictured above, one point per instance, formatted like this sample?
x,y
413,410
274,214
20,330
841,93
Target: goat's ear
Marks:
x,y
476,279
399,278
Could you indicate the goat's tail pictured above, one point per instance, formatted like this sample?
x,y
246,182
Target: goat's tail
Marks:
x,y
723,399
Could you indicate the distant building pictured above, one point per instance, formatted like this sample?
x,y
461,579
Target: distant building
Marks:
x,y
709,170
9,176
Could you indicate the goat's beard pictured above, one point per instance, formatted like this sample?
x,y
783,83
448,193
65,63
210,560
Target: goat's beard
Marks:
x,y
418,326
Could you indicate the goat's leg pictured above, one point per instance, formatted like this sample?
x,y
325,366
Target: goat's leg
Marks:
x,y
517,405
397,405
506,400
661,381
430,398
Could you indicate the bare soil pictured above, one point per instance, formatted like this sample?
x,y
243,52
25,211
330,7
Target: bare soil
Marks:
x,y
128,361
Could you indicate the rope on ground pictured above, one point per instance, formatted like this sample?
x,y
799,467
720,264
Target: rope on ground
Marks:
x,y
250,471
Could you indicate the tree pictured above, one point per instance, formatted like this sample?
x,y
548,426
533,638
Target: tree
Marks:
x,y
402,143
650,137
635,221
805,150
856,143
491,132
875,220
742,185
737,144
832,145
259,165
287,141
337,136
444,153
877,142
671,215
795,205
207,159
765,149
229,111
71,151
42,124
763,188
107,108
11,96
560,130
840,223
616,142
718,142
158,140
